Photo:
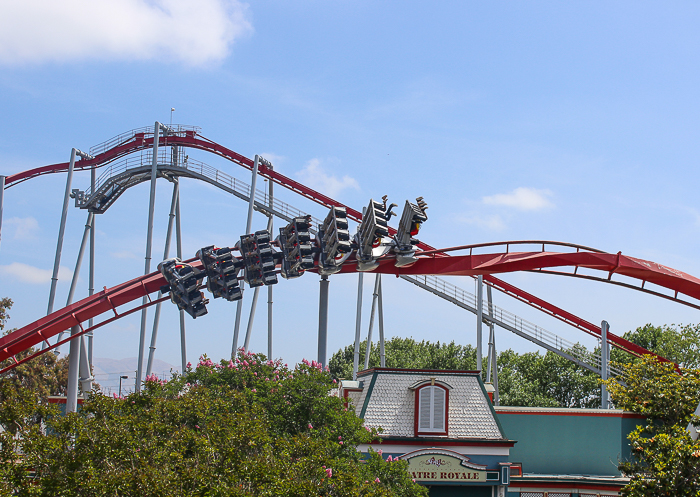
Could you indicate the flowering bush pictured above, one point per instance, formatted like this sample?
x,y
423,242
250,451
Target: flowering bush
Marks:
x,y
249,426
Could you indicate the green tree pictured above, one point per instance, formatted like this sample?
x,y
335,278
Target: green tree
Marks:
x,y
234,428
666,460
545,380
406,353
46,375
677,343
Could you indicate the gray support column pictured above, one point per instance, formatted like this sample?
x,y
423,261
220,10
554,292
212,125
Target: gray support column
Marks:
x,y
269,322
178,248
489,354
269,287
479,319
91,269
253,307
61,232
76,272
166,254
251,318
381,325
85,369
2,200
358,325
496,394
375,296
604,364
494,353
73,372
323,321
149,243
249,222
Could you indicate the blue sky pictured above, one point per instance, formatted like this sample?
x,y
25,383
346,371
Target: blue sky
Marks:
x,y
531,120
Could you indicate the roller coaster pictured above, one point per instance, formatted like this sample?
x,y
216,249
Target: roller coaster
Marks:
x,y
146,154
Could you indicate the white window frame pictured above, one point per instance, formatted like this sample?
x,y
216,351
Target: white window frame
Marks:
x,y
432,429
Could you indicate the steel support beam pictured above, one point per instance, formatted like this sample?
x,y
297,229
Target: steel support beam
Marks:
x,y
269,287
358,327
381,325
76,272
61,231
493,354
91,269
178,248
604,364
248,224
85,369
323,321
479,319
73,371
149,244
375,296
166,254
251,318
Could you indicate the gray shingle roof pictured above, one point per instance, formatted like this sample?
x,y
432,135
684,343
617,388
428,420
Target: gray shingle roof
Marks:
x,y
391,404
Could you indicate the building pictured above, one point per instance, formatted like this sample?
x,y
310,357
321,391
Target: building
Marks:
x,y
441,422
457,444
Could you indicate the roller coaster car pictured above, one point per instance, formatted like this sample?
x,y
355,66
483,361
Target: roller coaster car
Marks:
x,y
222,270
184,281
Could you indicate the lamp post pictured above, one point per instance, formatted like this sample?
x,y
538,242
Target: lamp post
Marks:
x,y
120,383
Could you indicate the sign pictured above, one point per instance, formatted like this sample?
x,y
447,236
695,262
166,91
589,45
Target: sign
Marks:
x,y
442,467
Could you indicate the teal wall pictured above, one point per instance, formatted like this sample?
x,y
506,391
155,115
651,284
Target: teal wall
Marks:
x,y
459,491
564,444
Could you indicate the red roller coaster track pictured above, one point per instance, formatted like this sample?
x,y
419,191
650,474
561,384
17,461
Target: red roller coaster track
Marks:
x,y
432,261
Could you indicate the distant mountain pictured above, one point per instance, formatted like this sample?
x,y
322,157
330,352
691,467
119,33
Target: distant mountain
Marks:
x,y
107,372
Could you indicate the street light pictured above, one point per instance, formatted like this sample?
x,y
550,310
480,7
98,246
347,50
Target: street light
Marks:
x,y
120,383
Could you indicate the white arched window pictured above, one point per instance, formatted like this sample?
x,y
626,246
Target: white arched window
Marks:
x,y
431,410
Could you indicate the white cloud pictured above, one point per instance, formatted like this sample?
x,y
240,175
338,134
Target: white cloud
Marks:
x,y
491,222
24,228
34,275
315,177
192,32
522,198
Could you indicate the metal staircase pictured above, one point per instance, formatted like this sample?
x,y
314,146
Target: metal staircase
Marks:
x,y
511,322
119,176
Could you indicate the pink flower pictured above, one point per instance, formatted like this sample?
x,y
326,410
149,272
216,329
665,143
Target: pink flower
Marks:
x,y
189,364
376,480
389,459
413,480
334,380
329,472
380,452
310,427
253,390
230,364
341,442
256,374
196,426
339,437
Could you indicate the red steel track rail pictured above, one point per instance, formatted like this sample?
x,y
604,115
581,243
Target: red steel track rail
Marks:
x,y
108,300
190,138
